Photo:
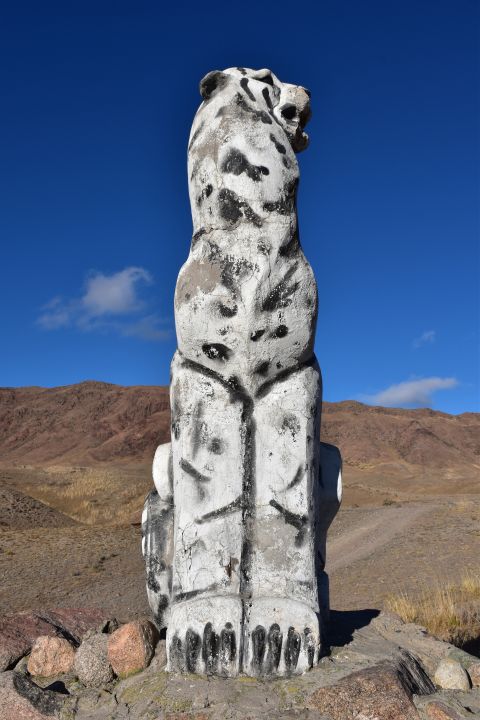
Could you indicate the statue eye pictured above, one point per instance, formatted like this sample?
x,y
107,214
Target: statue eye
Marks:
x,y
289,112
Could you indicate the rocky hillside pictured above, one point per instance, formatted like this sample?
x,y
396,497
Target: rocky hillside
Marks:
x,y
96,423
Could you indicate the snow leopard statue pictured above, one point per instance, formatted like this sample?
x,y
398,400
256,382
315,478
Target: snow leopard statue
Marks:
x,y
234,533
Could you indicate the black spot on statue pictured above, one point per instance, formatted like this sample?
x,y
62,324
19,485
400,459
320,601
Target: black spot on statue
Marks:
x,y
258,115
262,368
206,192
309,643
292,649
291,423
291,247
298,521
232,208
244,85
226,311
256,335
274,643
268,100
193,472
215,80
248,494
296,478
197,420
233,270
216,446
280,296
280,332
163,603
278,145
216,351
286,204
232,507
195,135
192,649
189,594
236,163
199,477
258,648
152,583
267,79
210,646
228,646
176,655
196,237
176,415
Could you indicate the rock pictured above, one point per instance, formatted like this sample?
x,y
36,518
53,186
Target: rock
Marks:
x,y
428,649
474,673
383,692
132,646
450,675
50,656
387,622
449,705
439,711
464,658
91,661
73,623
22,699
18,631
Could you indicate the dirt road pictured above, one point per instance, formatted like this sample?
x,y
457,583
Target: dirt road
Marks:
x,y
375,530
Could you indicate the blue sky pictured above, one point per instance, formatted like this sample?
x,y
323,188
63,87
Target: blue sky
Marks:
x,y
98,99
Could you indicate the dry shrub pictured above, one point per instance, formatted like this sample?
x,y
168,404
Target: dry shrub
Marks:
x,y
448,611
95,496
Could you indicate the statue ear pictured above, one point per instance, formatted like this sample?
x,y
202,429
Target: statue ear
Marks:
x,y
212,81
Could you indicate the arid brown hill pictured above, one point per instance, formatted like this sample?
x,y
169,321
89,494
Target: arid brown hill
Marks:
x,y
95,423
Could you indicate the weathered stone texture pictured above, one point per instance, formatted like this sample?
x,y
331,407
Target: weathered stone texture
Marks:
x,y
131,647
18,631
383,692
91,661
50,656
22,699
234,535
450,675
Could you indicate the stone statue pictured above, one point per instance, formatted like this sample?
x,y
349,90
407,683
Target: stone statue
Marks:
x,y
234,534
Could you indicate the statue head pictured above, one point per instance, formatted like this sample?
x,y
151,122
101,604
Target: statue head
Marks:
x,y
289,104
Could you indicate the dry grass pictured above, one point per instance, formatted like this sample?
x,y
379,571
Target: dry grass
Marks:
x,y
450,612
95,496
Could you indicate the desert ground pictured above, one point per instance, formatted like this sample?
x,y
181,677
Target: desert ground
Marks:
x,y
75,468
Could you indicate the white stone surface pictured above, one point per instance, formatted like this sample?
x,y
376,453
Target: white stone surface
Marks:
x,y
287,426
246,299
235,532
161,471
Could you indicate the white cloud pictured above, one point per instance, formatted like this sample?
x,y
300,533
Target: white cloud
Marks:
x,y
114,294
427,337
55,315
106,305
411,392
